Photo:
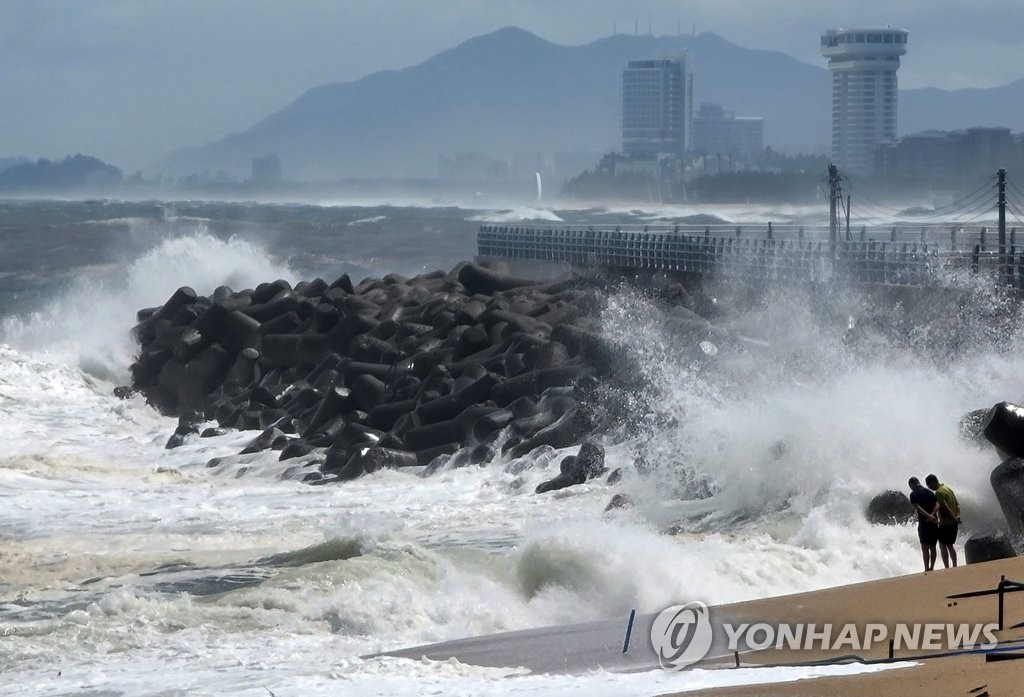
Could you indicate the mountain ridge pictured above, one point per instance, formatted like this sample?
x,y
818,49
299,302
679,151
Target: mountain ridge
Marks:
x,y
511,93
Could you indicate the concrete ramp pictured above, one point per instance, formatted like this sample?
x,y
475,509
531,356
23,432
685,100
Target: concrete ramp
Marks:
x,y
570,649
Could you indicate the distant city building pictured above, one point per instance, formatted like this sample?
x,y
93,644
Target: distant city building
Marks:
x,y
718,132
657,107
471,166
863,64
266,169
935,155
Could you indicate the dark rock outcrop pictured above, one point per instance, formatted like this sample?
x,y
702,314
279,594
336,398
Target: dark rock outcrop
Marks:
x,y
1003,427
391,372
988,548
1007,481
577,469
890,508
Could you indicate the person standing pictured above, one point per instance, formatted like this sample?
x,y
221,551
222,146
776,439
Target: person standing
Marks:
x,y
927,506
949,518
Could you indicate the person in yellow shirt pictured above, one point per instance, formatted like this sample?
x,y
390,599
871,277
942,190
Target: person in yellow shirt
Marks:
x,y
949,518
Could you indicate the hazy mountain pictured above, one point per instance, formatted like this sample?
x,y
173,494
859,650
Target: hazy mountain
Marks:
x,y
75,173
922,109
512,94
505,93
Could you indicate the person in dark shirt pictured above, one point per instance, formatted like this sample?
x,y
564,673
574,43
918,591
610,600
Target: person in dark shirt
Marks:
x,y
927,520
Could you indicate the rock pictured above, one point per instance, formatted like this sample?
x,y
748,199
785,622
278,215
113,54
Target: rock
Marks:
x,y
295,449
618,501
1007,481
576,469
1004,428
261,442
590,460
369,460
181,434
477,279
988,548
890,508
467,361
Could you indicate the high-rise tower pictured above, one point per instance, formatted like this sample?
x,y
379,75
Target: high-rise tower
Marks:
x,y
657,107
863,64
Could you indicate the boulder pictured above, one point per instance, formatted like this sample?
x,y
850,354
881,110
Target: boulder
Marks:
x,y
1004,428
988,548
890,508
1007,481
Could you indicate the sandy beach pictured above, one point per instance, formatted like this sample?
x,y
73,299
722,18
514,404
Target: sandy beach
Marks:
x,y
911,599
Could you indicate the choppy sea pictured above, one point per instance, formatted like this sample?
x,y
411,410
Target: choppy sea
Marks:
x,y
130,569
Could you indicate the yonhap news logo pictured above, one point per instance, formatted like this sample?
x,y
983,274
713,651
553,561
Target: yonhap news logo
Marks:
x,y
681,635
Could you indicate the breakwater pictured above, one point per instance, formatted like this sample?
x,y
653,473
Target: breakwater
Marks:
x,y
907,256
392,372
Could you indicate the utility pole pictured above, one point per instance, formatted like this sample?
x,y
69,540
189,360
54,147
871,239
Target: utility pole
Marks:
x,y
833,201
847,217
1001,181
1004,266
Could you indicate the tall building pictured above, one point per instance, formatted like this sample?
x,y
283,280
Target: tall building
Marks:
x,y
657,107
968,154
863,64
718,132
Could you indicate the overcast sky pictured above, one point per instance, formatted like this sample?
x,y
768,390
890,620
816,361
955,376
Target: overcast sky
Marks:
x,y
129,80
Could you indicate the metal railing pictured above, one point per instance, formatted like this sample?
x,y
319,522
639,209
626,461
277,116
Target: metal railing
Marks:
x,y
899,256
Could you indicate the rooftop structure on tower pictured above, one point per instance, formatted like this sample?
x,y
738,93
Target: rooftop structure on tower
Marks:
x,y
864,98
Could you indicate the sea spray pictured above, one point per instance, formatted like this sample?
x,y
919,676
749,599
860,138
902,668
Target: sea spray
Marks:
x,y
807,415
88,323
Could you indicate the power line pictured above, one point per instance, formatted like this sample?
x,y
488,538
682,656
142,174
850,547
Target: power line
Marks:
x,y
982,211
1014,211
949,214
1015,191
985,204
943,211
862,203
968,216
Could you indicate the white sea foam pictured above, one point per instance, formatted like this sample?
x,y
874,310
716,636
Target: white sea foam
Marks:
x,y
366,221
516,215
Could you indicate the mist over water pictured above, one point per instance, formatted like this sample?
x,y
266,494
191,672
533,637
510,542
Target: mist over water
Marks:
x,y
758,443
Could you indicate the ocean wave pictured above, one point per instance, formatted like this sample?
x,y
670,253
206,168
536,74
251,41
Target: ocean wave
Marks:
x,y
516,215
88,324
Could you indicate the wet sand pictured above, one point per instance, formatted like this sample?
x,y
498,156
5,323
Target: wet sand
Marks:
x,y
916,598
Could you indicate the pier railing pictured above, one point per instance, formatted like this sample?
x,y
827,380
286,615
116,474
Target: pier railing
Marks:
x,y
899,256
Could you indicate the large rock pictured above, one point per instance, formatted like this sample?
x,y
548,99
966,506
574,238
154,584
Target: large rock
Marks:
x,y
890,508
988,548
393,370
576,469
1008,484
1004,428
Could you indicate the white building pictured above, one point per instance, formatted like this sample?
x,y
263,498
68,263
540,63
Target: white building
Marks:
x,y
863,64
718,132
657,107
